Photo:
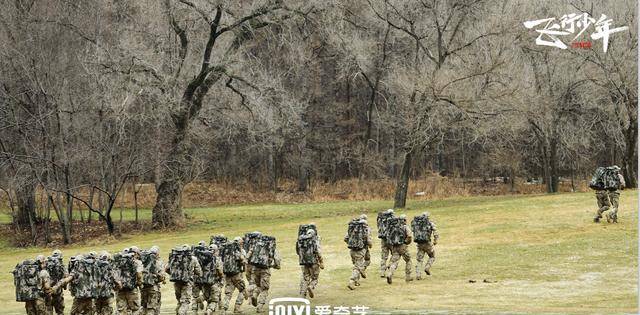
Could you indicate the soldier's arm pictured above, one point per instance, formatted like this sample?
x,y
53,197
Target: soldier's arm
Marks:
x,y
45,282
64,281
161,272
139,269
623,184
436,236
409,235
276,259
196,266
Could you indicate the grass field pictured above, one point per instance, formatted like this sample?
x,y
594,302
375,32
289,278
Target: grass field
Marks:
x,y
544,252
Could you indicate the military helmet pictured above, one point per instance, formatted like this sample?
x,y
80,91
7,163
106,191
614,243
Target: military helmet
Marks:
x,y
93,254
616,167
40,259
154,249
237,239
134,249
213,247
389,211
426,214
104,255
56,253
202,243
186,247
126,250
311,232
363,217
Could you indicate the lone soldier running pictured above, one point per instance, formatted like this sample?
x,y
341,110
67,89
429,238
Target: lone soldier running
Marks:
x,y
385,249
399,236
606,182
310,259
426,237
358,240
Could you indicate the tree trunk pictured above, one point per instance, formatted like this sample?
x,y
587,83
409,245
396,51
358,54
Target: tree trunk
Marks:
x,y
402,185
553,165
630,162
26,202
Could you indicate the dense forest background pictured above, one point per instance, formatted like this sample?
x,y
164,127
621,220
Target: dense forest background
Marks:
x,y
98,95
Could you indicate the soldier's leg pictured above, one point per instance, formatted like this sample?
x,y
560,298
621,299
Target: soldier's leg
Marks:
x,y
30,307
393,263
104,306
367,258
614,198
40,306
214,298
263,286
603,204
133,301
250,278
177,290
305,278
238,282
357,256
315,275
144,299
197,297
228,292
431,252
121,303
156,300
408,267
419,259
185,298
384,255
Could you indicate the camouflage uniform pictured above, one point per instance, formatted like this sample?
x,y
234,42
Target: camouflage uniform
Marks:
x,y
398,251
104,304
310,273
385,249
82,306
211,292
56,300
359,260
183,290
233,282
150,295
607,199
262,279
428,248
38,306
128,301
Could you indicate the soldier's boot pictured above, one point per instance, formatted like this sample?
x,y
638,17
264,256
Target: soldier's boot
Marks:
x,y
596,220
351,285
408,278
237,309
608,216
363,273
614,217
254,299
357,283
418,273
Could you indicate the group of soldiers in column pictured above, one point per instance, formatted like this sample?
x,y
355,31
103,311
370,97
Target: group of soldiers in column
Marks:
x,y
133,278
201,273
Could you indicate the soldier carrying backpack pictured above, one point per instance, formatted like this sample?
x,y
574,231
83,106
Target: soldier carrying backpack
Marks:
x,y
233,265
424,230
200,252
32,283
152,277
310,258
358,239
57,271
385,249
262,256
218,240
81,276
106,284
129,270
398,236
249,241
210,283
183,267
606,182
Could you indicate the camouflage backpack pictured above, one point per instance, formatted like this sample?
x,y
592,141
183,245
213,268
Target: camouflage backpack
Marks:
x,y
395,234
610,179
25,278
421,228
357,234
180,265
104,281
307,248
382,223
208,263
250,240
126,269
56,268
149,267
219,240
263,252
303,228
73,264
597,181
231,254
84,282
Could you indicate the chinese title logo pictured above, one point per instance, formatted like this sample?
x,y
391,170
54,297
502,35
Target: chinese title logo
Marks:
x,y
570,24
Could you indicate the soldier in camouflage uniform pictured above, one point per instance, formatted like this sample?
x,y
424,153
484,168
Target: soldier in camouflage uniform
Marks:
x,y
426,246
57,271
212,291
36,304
181,288
80,278
400,251
310,266
261,263
358,253
107,284
235,281
609,198
249,241
385,249
153,275
128,299
198,299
